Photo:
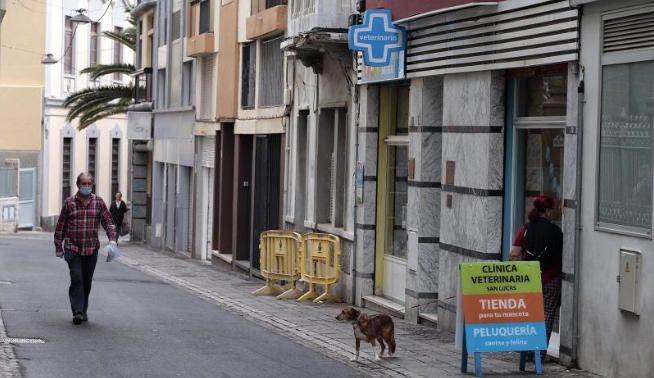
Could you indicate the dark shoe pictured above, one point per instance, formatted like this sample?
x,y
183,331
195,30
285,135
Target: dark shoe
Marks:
x,y
85,318
77,319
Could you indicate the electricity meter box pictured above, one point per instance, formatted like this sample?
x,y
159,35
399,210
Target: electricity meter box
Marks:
x,y
629,281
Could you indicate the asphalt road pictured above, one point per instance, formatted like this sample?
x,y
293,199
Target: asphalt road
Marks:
x,y
138,326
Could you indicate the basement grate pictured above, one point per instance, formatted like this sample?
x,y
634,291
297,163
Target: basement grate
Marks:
x,y
18,340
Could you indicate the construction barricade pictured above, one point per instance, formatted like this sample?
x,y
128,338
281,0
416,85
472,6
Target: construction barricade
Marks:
x,y
279,258
320,265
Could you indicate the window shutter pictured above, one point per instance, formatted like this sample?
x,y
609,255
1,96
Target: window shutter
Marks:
x,y
629,33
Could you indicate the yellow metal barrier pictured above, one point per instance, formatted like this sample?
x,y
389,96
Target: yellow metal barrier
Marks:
x,y
279,259
320,265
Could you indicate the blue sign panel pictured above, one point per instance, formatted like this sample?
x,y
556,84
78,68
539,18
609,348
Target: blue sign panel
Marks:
x,y
501,337
382,45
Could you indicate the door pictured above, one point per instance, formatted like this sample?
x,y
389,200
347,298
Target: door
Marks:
x,y
27,198
171,205
534,157
243,202
392,199
265,214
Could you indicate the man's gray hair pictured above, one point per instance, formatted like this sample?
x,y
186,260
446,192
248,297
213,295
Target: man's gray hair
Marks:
x,y
79,177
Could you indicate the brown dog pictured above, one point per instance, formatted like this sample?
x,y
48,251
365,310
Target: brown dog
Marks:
x,y
370,328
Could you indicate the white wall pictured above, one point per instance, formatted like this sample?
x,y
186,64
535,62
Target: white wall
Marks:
x,y
55,20
611,343
55,122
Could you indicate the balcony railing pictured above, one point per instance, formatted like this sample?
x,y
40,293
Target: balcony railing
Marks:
x,y
143,85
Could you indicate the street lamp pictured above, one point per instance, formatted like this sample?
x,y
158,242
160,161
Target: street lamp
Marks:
x,y
79,18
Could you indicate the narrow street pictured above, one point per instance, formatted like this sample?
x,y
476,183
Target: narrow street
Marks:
x,y
138,326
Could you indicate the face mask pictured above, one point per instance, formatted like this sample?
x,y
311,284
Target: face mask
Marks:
x,y
85,191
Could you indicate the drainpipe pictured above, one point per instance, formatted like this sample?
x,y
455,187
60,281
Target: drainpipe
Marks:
x,y
316,115
578,226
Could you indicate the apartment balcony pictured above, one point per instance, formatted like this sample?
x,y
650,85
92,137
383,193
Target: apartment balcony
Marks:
x,y
267,22
199,45
323,15
142,94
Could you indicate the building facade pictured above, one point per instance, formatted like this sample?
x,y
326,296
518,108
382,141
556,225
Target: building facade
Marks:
x,y
615,227
173,119
22,42
453,153
320,133
100,149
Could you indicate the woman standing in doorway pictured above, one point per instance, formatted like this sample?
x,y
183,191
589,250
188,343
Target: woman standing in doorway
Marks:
x,y
541,240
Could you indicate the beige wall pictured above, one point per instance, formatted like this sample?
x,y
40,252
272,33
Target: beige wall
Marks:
x,y
22,36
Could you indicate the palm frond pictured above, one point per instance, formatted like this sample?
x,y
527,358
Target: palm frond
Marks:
x,y
111,109
100,70
86,105
126,37
111,92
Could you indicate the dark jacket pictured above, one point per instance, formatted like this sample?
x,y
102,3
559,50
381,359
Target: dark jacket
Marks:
x,y
118,212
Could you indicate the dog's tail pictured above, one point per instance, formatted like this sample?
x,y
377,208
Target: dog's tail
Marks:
x,y
391,340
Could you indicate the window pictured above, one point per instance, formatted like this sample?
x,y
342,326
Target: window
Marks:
x,y
543,95
115,165
272,78
92,162
206,87
332,160
187,93
118,52
249,75
176,20
161,88
94,48
66,167
261,5
624,193
625,159
163,23
200,17
69,57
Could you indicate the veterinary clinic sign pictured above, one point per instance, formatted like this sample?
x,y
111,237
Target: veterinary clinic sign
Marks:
x,y
382,45
503,306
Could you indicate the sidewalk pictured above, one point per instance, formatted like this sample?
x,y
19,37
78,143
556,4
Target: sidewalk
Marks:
x,y
422,351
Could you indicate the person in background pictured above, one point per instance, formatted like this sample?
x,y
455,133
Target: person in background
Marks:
x,y
541,240
118,210
76,240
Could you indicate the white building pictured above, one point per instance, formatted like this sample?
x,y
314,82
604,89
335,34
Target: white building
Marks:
x,y
100,149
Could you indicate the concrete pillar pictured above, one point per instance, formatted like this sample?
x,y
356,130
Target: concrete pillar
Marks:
x,y
363,256
472,166
570,206
424,187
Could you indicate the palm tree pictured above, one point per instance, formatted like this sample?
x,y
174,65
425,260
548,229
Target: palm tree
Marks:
x,y
92,104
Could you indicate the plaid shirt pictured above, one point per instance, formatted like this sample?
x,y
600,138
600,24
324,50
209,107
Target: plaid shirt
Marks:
x,y
77,226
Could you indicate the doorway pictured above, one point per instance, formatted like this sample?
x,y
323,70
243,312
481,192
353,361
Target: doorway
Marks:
x,y
534,153
392,198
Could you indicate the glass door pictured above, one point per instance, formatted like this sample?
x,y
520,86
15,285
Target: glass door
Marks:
x,y
392,193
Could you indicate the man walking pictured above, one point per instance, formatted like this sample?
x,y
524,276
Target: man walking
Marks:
x,y
76,240
118,210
